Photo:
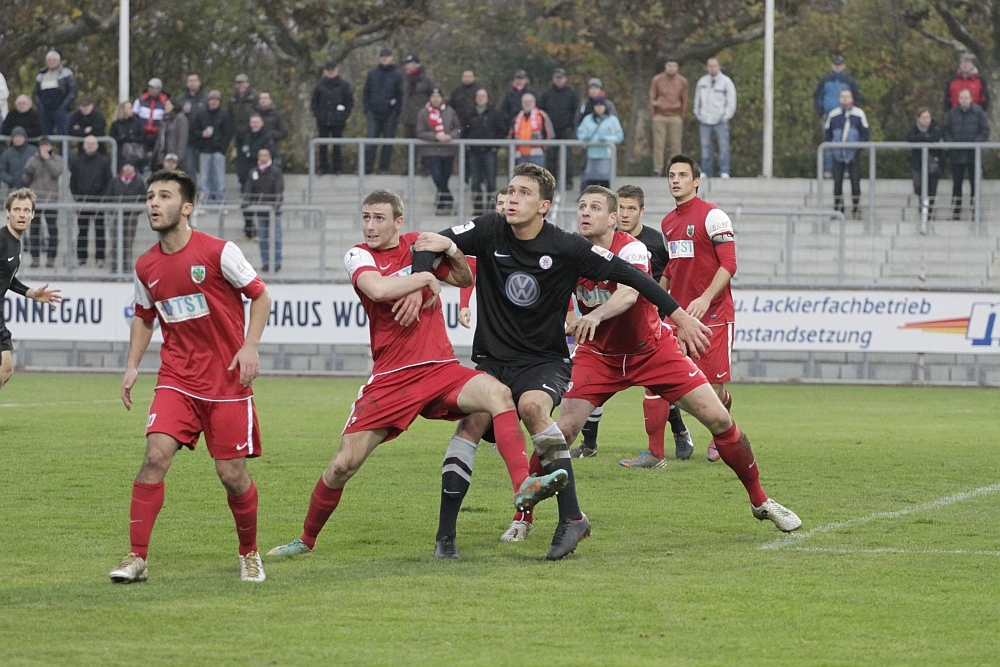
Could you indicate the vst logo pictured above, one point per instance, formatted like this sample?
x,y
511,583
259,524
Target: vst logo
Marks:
x,y
522,288
983,327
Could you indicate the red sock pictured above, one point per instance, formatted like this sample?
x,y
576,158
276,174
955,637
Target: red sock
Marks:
x,y
510,444
147,499
527,516
321,505
535,465
656,410
244,508
734,448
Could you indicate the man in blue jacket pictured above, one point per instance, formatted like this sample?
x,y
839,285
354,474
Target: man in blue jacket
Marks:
x,y
846,123
826,98
382,99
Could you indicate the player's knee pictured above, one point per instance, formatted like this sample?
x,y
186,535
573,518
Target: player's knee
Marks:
x,y
235,479
717,419
156,463
341,470
569,431
500,398
532,414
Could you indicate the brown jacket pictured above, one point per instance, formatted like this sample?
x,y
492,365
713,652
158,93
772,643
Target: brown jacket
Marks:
x,y
670,94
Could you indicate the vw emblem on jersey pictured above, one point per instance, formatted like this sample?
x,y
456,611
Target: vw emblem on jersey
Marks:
x,y
198,274
522,288
545,262
690,231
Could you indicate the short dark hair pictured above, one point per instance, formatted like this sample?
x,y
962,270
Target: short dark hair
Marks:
x,y
386,197
21,193
184,182
670,58
609,195
633,192
546,181
680,158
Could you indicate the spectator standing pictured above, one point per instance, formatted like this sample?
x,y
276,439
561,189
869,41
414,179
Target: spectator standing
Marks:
x,y
87,120
560,101
89,179
127,131
463,99
531,123
173,137
382,101
256,139
966,122
595,89
599,126
241,105
4,96
149,108
273,121
191,102
418,87
826,98
487,123
438,123
41,174
210,133
714,107
55,93
966,78
520,85
266,187
15,158
331,105
846,123
23,115
127,188
925,130
668,101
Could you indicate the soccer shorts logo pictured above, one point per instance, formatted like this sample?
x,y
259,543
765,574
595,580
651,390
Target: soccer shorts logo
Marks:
x,y
150,420
522,288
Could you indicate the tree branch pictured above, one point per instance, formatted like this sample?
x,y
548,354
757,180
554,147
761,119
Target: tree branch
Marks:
x,y
959,31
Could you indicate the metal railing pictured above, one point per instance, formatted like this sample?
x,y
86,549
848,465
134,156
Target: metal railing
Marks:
x,y
414,145
873,147
64,141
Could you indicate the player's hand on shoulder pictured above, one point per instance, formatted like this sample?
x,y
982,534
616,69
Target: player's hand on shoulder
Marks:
x,y
432,242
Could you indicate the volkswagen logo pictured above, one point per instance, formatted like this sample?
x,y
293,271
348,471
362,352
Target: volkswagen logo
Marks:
x,y
522,288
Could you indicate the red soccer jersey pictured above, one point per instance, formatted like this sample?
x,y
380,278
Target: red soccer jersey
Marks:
x,y
197,294
395,346
689,230
637,329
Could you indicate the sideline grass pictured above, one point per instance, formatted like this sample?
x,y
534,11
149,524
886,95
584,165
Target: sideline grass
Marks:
x,y
674,573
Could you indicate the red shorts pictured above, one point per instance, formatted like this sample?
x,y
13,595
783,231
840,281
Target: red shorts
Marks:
x,y
664,371
715,362
230,427
394,400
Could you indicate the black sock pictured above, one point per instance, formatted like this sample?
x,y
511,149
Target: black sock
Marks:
x,y
676,421
589,429
569,507
453,490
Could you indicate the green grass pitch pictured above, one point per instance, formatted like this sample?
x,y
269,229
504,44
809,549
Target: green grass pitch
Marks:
x,y
898,561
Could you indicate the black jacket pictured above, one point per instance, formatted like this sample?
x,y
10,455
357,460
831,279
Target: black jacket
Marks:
x,y
90,177
274,123
933,135
246,152
222,126
463,101
30,120
332,102
487,125
968,125
264,187
131,138
560,104
130,193
383,91
512,102
61,97
78,124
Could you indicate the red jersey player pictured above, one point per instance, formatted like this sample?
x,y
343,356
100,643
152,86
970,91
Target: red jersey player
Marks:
x,y
194,284
415,374
622,344
702,252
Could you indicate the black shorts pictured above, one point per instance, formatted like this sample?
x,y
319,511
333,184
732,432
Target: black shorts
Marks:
x,y
5,344
550,376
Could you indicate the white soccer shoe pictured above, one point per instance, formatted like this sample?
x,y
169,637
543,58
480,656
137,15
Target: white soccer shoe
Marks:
x,y
518,532
785,519
131,570
251,569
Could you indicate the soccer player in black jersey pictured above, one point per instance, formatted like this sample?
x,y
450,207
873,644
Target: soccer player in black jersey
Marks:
x,y
20,209
526,270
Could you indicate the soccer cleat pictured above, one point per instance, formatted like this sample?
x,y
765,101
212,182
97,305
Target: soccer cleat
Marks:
x,y
446,549
293,548
132,569
517,532
785,519
683,445
251,569
713,452
644,460
568,534
583,452
536,489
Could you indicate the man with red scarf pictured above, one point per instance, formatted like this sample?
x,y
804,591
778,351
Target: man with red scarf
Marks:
x,y
438,123
531,123
150,108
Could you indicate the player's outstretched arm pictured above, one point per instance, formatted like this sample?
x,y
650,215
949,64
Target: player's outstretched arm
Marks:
x,y
139,336
247,358
44,295
584,328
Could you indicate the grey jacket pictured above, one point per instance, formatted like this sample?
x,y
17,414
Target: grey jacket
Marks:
x,y
968,125
42,176
452,126
172,138
714,99
12,164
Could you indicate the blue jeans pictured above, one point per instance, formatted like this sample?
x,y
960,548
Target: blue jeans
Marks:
x,y
721,132
212,177
55,122
263,221
380,126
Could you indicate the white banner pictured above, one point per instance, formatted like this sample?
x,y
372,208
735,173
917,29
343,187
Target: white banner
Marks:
x,y
784,320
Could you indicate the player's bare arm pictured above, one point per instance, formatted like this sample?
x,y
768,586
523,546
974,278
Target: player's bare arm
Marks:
x,y
461,273
140,334
247,357
584,328
665,283
44,295
692,335
381,288
699,306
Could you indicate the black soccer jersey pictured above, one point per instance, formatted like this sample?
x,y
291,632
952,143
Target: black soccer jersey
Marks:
x,y
658,256
522,287
10,262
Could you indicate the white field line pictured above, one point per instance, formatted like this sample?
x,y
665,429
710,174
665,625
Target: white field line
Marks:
x,y
38,405
796,538
890,550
